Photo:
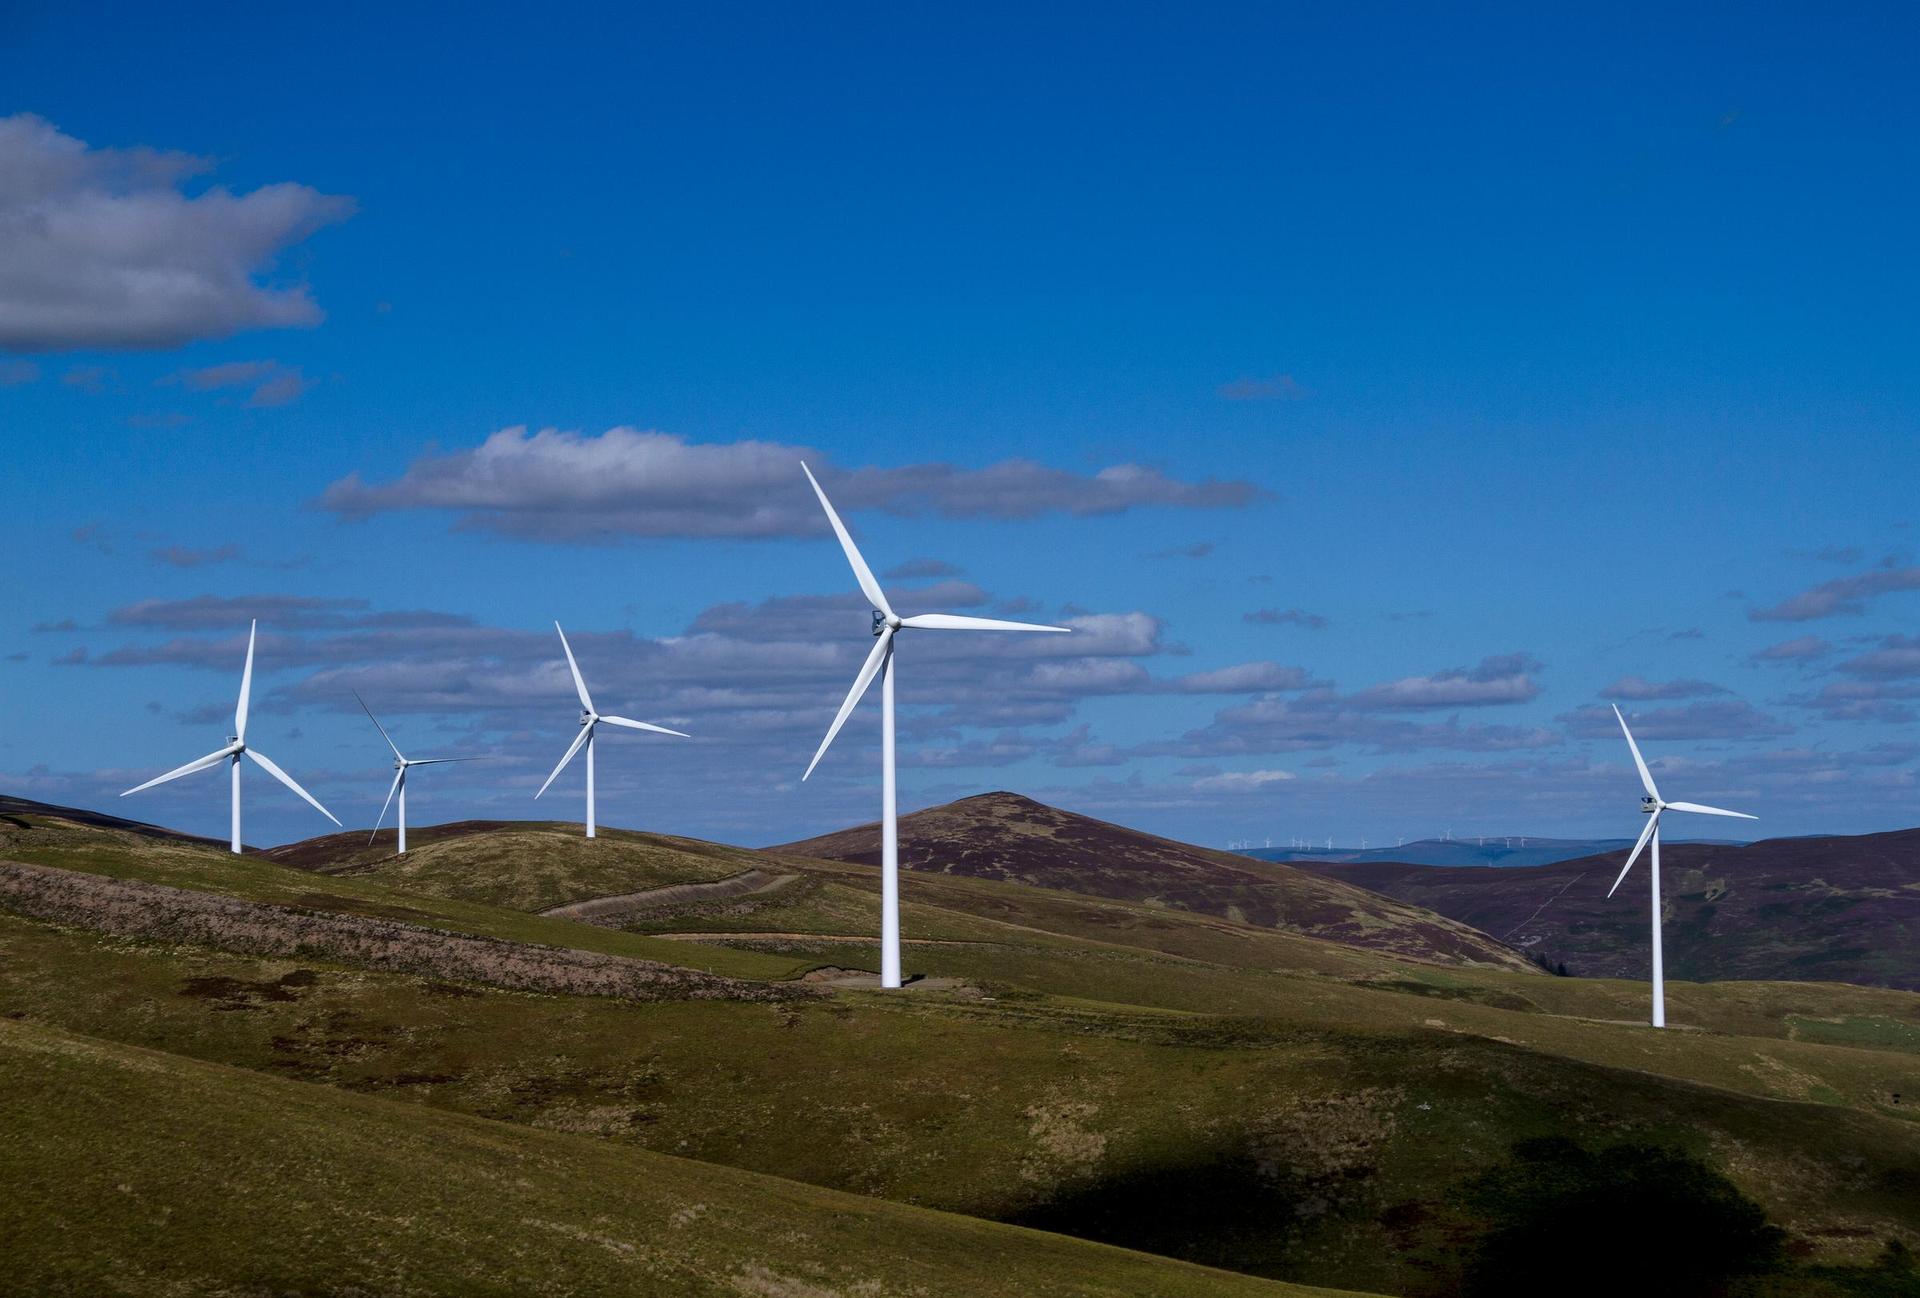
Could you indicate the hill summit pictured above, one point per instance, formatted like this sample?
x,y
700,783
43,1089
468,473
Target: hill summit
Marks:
x,y
1009,837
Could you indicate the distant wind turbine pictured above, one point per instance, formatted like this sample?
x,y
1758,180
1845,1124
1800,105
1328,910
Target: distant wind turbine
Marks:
x,y
589,719
886,625
237,748
1651,806
399,786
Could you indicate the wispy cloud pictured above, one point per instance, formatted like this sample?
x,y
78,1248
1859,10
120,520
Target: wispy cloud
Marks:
x,y
1640,688
181,556
1718,720
1799,649
105,248
1897,658
566,486
91,379
1501,679
1840,597
1284,617
272,383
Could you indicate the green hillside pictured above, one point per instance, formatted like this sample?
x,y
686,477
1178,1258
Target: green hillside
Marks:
x,y
1233,1094
130,1171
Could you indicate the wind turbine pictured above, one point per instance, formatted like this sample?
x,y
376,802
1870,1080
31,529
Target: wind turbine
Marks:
x,y
400,765
887,624
588,720
235,749
1651,806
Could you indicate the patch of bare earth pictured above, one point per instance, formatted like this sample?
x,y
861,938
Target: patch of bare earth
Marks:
x,y
155,912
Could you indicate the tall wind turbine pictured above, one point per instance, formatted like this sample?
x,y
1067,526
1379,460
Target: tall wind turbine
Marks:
x,y
886,625
1651,806
236,749
589,719
400,765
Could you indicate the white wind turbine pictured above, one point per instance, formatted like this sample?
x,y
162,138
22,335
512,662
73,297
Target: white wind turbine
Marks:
x,y
588,720
235,749
886,624
399,785
1651,806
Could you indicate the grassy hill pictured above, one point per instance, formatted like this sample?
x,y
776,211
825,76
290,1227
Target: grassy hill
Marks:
x,y
1008,837
1230,1093
1831,909
525,865
131,1171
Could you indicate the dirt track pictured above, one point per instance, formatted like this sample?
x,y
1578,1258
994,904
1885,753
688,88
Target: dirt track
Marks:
x,y
610,910
159,913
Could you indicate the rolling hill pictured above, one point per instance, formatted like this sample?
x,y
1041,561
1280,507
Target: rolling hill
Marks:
x,y
1232,1094
133,1171
1012,838
1833,909
1502,851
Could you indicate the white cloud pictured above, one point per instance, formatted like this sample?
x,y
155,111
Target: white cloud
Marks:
x,y
105,248
567,486
1241,781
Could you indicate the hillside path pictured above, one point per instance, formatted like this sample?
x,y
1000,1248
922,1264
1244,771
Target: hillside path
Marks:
x,y
600,909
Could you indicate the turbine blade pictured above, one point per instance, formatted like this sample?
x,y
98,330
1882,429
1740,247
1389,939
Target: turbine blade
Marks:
x,y
391,790
1699,810
574,667
436,761
1646,776
861,573
246,685
197,764
644,725
377,726
572,748
860,684
959,622
266,764
1653,822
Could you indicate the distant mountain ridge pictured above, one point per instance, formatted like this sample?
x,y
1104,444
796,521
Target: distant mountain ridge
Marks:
x,y
1010,837
1840,908
1501,851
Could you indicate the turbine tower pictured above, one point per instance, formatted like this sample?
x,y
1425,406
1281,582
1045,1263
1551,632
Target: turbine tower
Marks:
x,y
589,719
886,625
1651,806
399,785
236,749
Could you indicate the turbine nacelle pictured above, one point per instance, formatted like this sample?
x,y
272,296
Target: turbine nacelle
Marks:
x,y
401,764
883,623
236,748
1652,805
589,719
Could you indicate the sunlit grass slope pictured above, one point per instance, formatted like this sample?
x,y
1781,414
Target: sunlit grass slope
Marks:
x,y
526,865
130,1171
126,854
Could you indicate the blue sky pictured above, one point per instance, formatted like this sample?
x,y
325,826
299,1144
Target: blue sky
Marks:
x,y
1381,393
